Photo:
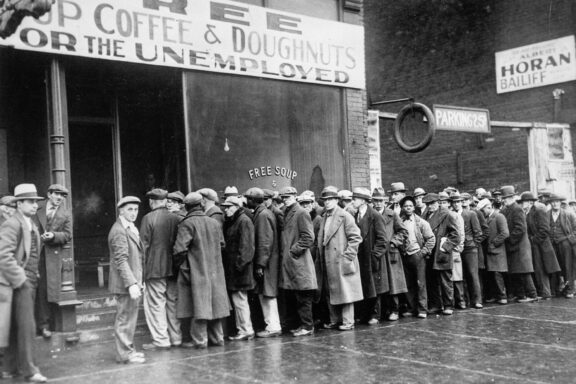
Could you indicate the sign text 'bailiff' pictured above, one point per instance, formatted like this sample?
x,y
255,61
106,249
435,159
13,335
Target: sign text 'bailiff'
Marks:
x,y
217,36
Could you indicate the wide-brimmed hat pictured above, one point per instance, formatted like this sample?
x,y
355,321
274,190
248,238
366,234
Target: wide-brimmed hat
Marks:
x,y
26,192
419,192
176,196
430,198
378,193
407,198
507,191
128,200
556,197
58,188
230,191
345,194
397,187
288,191
443,196
305,198
232,200
330,192
362,193
456,197
527,196
157,194
209,194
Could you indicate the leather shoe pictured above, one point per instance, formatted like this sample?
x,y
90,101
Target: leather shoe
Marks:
x,y
241,337
330,326
134,359
373,322
8,375
46,333
266,333
526,300
478,306
393,317
154,347
422,315
447,312
36,378
304,332
346,327
503,301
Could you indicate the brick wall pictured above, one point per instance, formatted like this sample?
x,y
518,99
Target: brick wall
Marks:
x,y
443,53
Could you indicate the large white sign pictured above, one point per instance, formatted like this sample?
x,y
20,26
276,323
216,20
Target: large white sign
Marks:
x,y
217,36
536,65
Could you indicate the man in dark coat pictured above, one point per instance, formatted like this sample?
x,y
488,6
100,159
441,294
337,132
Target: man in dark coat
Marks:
x,y
445,229
467,204
158,232
297,273
19,258
417,249
209,200
175,204
201,282
238,255
371,256
543,255
54,222
7,208
266,261
518,249
563,235
125,280
419,194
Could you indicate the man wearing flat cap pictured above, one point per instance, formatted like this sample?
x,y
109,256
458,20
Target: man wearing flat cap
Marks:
x,y
518,249
563,235
7,208
19,259
543,254
209,200
158,232
54,222
175,204
125,280
269,203
202,292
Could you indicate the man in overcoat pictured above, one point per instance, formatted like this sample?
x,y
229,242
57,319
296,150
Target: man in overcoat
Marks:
x,y
338,241
563,235
209,200
518,249
379,199
543,255
158,232
266,261
238,256
445,229
417,249
19,259
397,193
175,204
496,260
202,292
54,222
297,273
371,256
125,280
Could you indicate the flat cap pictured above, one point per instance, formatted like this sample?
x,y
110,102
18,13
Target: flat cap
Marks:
x,y
362,193
466,196
305,198
209,194
254,192
483,203
268,193
230,191
193,198
157,194
58,188
430,198
232,200
176,196
128,200
286,191
8,201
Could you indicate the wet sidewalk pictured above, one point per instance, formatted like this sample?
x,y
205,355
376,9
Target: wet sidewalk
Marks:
x,y
515,343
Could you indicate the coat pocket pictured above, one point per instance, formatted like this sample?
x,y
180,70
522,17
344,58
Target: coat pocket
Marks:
x,y
348,267
443,257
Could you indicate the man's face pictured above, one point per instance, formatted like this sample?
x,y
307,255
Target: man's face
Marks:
x,y
526,204
331,203
250,203
487,210
267,202
346,202
509,200
418,200
408,208
397,196
378,204
230,210
56,198
172,205
288,200
27,208
358,202
433,207
465,203
457,205
129,212
444,204
556,205
307,205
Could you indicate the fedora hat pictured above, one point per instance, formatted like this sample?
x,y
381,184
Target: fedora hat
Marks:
x,y
397,187
361,193
330,192
443,196
483,203
556,197
456,197
527,196
507,191
430,198
305,198
26,192
378,193
230,191
419,192
345,194
232,200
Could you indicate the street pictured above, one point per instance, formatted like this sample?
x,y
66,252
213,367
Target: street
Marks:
x,y
515,343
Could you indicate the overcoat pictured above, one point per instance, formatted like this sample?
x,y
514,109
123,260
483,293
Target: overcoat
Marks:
x,y
201,283
396,235
338,248
539,234
457,273
482,239
15,243
496,260
125,259
158,232
266,254
518,249
297,271
216,213
372,254
238,253
445,229
55,249
567,224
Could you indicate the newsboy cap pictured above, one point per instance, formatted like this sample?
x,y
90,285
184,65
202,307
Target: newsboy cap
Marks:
x,y
268,193
305,198
254,192
287,191
128,200
193,198
59,188
430,198
209,194
157,194
176,196
8,201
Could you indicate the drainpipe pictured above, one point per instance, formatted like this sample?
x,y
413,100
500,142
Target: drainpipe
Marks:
x,y
557,93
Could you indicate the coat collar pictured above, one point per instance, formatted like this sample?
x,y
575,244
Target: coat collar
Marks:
x,y
337,218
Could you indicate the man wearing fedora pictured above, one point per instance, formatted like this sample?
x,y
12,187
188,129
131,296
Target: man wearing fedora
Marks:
x,y
158,232
379,199
19,258
419,206
397,193
543,254
371,256
563,235
125,280
518,249
54,222
297,272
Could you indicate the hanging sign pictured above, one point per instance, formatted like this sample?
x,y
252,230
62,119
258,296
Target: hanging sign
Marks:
x,y
217,36
473,120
